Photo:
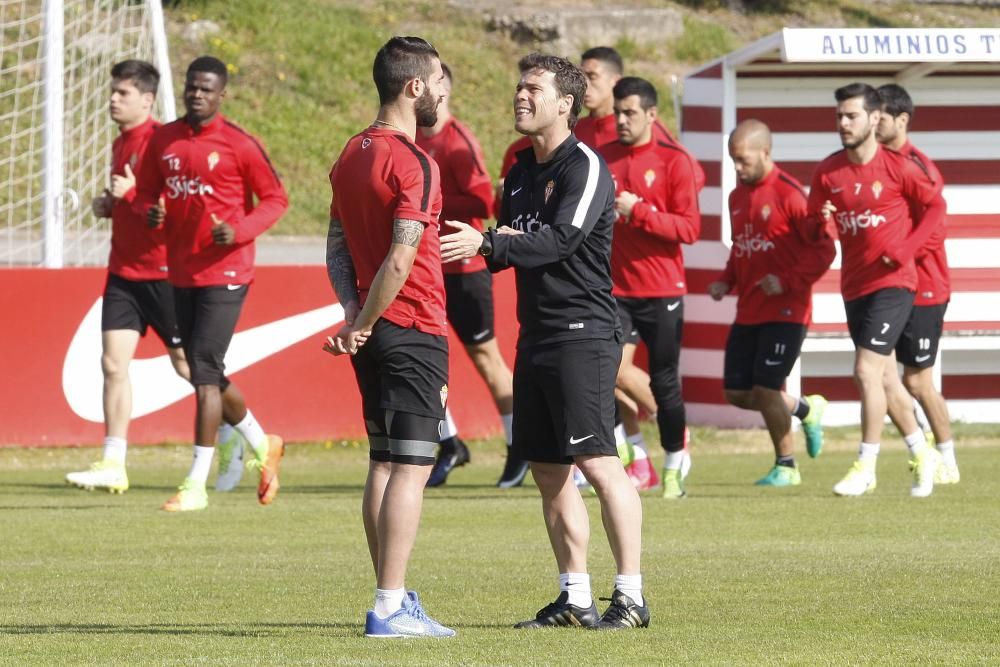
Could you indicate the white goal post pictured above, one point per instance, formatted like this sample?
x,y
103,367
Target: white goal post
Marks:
x,y
55,133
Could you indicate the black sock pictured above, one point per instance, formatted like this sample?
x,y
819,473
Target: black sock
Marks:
x,y
449,445
801,409
787,461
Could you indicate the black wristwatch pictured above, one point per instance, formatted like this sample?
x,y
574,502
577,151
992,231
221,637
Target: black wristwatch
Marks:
x,y
486,249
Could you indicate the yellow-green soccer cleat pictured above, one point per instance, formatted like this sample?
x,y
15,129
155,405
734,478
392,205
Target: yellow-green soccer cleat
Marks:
x,y
947,473
859,480
812,425
924,466
230,462
781,476
104,475
190,496
673,484
268,462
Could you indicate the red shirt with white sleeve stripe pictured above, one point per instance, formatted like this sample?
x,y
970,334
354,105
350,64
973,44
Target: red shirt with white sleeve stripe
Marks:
x,y
646,256
381,176
773,234
873,219
466,186
137,252
205,175
933,277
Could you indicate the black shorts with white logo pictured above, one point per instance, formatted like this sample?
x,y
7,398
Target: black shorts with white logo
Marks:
x,y
761,355
876,320
564,400
918,346
139,304
470,305
207,317
404,370
629,328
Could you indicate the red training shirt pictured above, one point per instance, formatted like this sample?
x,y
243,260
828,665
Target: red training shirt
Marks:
x,y
214,171
646,257
873,217
466,186
380,176
137,252
773,233
933,277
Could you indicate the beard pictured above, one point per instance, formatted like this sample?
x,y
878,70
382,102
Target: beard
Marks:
x,y
425,109
858,139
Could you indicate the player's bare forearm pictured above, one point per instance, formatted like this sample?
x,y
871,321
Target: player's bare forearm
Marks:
x,y
395,269
340,266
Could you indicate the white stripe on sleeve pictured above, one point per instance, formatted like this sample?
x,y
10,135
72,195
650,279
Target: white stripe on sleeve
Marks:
x,y
588,190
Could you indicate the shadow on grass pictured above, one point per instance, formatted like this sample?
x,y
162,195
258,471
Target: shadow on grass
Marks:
x,y
208,629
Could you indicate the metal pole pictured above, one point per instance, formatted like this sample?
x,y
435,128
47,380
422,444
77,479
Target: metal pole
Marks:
x,y
166,92
52,173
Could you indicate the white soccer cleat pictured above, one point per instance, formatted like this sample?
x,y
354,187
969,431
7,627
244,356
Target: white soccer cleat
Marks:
x,y
104,475
686,461
947,473
924,466
859,480
230,462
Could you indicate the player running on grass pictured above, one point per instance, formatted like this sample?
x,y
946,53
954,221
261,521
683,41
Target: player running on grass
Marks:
x,y
778,252
384,262
918,345
209,171
137,294
866,193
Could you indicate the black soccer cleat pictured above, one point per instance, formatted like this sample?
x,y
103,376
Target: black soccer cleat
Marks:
x,y
514,472
623,613
450,456
561,614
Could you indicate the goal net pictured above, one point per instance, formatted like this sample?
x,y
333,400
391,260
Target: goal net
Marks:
x,y
55,133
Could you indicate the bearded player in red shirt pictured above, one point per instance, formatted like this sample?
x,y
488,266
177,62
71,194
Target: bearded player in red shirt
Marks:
x,y
467,192
657,205
866,193
209,171
136,294
384,262
917,347
778,252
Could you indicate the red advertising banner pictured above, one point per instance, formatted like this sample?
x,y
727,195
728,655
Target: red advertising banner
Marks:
x,y
50,356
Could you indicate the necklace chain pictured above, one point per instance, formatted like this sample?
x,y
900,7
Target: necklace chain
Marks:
x,y
379,121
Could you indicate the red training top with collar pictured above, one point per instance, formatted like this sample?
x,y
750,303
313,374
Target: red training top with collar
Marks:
x,y
646,257
933,277
381,176
207,175
773,234
137,252
873,219
510,155
466,186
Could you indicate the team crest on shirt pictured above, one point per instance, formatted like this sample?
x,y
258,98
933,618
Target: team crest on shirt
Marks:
x,y
213,159
877,189
366,142
765,212
549,187
649,176
444,395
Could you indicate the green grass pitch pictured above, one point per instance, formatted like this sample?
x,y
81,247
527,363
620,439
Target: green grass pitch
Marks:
x,y
734,574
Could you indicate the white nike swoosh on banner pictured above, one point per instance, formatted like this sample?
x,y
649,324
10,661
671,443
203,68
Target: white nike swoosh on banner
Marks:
x,y
155,384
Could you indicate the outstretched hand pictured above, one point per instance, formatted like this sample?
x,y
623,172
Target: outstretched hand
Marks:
x,y
461,244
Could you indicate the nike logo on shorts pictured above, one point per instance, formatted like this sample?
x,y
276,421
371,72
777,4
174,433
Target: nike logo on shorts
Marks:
x,y
514,192
574,441
875,341
232,288
922,358
481,335
772,362
672,307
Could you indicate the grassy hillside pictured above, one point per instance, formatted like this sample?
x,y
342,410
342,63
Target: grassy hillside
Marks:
x,y
302,70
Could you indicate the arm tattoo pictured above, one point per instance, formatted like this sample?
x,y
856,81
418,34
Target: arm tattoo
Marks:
x,y
407,232
339,266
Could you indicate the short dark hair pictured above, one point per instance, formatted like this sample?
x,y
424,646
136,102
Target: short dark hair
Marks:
x,y
870,98
895,100
447,72
606,55
401,59
143,75
569,79
633,85
209,65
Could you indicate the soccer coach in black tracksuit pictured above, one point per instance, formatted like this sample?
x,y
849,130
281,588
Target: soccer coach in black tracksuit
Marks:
x,y
554,228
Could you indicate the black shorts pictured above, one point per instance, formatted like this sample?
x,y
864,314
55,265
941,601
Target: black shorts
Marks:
x,y
876,320
207,318
404,370
470,305
138,304
761,355
629,330
918,346
564,400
